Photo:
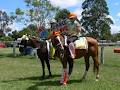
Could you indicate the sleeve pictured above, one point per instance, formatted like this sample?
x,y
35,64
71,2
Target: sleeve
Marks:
x,y
78,26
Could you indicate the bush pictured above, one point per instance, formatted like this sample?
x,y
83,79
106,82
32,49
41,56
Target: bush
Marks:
x,y
8,44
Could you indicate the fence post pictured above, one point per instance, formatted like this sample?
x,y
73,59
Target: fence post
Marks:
x,y
14,48
102,54
102,50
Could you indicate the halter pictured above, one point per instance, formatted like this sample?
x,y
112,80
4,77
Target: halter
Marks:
x,y
59,45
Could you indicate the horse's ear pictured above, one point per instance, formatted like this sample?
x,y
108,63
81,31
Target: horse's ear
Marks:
x,y
29,37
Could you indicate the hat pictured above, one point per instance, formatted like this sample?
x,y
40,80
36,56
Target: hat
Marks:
x,y
72,15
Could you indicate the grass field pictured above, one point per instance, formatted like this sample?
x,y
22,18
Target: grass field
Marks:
x,y
23,72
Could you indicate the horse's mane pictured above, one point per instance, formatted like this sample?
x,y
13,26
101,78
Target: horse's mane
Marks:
x,y
34,38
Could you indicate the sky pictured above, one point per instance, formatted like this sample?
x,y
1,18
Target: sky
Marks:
x,y
72,5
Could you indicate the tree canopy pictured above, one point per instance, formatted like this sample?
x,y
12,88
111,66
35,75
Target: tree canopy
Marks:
x,y
95,18
62,14
38,12
5,21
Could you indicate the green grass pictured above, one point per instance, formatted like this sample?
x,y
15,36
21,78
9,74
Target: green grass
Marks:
x,y
23,73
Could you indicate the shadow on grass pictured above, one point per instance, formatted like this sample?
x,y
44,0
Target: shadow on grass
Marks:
x,y
43,83
50,83
30,78
75,81
10,55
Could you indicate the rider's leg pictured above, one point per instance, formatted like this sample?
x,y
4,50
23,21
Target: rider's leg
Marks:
x,y
71,46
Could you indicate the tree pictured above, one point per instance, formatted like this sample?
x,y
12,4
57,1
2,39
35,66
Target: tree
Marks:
x,y
30,29
116,37
95,18
62,14
14,35
37,13
27,30
5,21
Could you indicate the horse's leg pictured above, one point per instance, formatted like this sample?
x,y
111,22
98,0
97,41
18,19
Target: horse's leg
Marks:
x,y
70,62
87,65
64,76
43,67
96,66
48,65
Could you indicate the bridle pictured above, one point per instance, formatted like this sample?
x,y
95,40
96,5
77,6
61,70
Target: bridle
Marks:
x,y
59,45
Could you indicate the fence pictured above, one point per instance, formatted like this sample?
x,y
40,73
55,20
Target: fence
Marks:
x,y
15,44
102,45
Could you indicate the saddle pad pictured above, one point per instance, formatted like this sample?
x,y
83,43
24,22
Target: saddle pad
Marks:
x,y
81,43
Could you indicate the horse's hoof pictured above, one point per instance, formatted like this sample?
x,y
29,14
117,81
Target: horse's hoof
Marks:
x,y
42,77
97,80
50,76
61,81
64,83
83,78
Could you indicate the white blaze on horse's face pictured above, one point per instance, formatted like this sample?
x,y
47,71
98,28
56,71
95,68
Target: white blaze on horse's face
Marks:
x,y
58,37
65,40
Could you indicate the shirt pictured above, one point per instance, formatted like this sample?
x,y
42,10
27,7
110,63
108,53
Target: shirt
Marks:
x,y
43,34
74,28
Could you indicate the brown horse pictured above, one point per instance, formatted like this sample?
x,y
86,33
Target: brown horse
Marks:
x,y
42,52
64,54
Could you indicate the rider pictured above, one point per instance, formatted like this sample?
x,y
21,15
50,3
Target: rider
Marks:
x,y
43,33
74,32
53,32
53,28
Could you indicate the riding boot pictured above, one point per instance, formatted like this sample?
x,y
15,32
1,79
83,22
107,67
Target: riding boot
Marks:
x,y
72,50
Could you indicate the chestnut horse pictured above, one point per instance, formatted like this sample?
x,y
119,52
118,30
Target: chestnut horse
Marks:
x,y
42,52
64,54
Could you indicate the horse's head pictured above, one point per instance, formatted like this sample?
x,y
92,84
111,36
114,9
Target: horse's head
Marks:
x,y
58,42
23,43
33,42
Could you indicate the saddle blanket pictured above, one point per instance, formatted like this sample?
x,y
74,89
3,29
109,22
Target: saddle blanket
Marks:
x,y
81,43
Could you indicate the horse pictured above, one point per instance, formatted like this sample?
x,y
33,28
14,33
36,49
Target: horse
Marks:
x,y
22,46
42,52
64,54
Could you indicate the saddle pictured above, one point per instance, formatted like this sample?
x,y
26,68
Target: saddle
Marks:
x,y
81,43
